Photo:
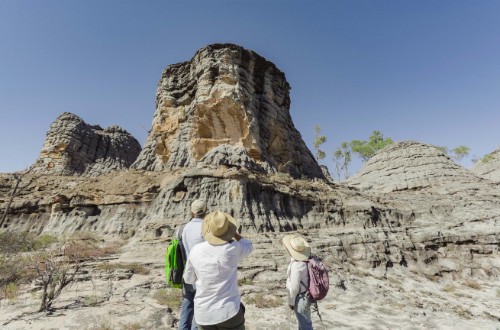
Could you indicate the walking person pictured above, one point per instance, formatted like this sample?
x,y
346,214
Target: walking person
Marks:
x,y
212,266
191,235
298,279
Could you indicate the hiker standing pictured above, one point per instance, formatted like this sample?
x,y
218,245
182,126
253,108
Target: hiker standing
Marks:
x,y
298,279
191,235
212,265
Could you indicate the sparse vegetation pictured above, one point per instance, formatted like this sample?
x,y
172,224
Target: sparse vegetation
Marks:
x,y
318,141
52,265
487,158
131,326
449,288
366,149
261,300
245,281
135,267
168,297
342,158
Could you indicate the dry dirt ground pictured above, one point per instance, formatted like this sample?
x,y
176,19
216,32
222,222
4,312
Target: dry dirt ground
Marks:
x,y
121,299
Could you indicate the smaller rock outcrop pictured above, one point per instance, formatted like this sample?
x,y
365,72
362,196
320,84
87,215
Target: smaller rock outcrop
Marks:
x,y
411,165
489,166
73,147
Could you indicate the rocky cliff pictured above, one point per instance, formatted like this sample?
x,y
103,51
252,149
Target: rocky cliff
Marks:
x,y
222,132
72,147
226,106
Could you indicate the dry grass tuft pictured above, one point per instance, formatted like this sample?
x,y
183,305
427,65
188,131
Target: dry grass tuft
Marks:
x,y
449,288
135,267
261,300
168,297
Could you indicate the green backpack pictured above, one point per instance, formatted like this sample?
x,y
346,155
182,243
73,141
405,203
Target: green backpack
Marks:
x,y
175,260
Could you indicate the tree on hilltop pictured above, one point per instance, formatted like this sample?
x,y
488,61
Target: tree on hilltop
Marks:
x,y
342,158
366,149
318,141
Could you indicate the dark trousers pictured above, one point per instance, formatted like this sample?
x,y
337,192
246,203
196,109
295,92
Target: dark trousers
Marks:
x,y
237,322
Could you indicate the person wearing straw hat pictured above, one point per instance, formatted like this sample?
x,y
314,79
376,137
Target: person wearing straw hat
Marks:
x,y
212,265
298,279
191,235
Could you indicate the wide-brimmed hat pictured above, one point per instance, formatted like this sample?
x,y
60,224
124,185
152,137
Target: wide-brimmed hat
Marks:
x,y
218,228
198,207
297,246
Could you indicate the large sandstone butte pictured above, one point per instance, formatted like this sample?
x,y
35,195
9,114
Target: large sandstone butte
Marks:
x,y
226,106
72,147
222,132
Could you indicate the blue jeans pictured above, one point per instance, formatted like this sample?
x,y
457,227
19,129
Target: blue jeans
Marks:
x,y
186,320
302,310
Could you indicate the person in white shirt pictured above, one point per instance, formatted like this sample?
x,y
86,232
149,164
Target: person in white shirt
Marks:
x,y
297,281
212,266
191,235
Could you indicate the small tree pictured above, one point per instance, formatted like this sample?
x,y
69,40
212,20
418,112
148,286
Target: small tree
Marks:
x,y
18,187
459,153
318,141
366,149
342,159
456,154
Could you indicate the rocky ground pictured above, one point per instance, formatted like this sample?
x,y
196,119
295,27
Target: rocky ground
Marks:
x,y
137,298
412,239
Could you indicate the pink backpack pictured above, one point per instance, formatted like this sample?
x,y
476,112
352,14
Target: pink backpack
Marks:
x,y
318,278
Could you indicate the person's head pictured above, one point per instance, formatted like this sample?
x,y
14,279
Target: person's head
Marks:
x,y
198,208
218,228
297,247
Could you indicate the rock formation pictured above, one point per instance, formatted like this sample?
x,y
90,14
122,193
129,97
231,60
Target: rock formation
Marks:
x,y
230,106
413,166
489,166
73,147
222,132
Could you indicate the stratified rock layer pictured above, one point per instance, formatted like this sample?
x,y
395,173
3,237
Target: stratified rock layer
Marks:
x,y
226,97
411,165
489,166
73,147
409,208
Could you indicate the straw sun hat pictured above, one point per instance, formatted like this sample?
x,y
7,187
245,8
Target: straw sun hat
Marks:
x,y
297,246
218,228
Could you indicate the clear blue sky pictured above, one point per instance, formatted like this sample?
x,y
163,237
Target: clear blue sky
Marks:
x,y
415,70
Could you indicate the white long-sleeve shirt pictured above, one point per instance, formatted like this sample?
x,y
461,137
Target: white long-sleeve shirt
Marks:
x,y
191,234
214,270
297,279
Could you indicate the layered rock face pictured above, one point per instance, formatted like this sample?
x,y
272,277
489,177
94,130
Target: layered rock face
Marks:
x,y
226,106
222,132
73,147
410,165
452,217
489,166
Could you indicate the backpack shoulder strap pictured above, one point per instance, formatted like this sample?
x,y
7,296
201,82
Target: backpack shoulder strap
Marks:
x,y
308,276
